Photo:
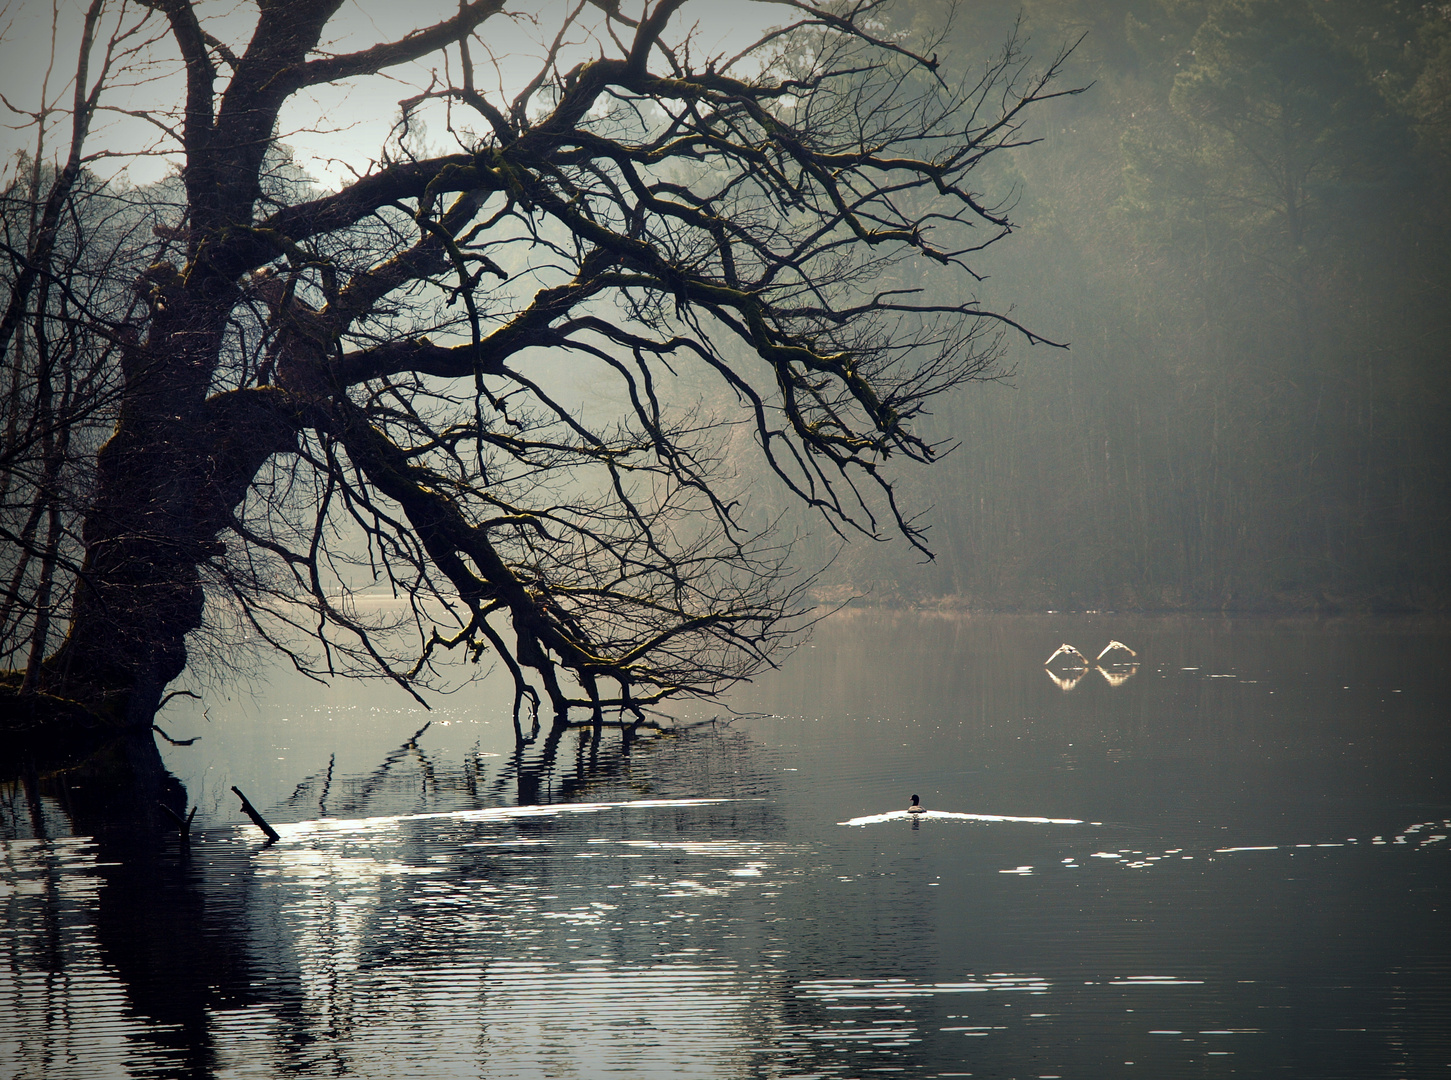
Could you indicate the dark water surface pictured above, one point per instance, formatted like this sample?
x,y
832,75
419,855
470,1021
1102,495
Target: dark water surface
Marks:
x,y
1232,858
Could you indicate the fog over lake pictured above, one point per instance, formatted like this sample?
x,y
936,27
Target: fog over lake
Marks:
x,y
1231,856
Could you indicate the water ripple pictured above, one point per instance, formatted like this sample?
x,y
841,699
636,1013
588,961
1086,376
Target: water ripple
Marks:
x,y
945,815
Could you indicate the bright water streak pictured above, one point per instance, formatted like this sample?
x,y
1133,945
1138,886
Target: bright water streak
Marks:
x,y
947,815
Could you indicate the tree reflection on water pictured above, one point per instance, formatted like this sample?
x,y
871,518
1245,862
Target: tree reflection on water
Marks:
x,y
410,911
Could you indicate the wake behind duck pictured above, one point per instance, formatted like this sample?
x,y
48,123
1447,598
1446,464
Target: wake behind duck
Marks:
x,y
917,813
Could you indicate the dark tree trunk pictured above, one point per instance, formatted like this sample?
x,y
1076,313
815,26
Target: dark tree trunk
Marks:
x,y
140,592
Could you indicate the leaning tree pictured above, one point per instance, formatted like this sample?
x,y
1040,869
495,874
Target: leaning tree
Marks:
x,y
521,388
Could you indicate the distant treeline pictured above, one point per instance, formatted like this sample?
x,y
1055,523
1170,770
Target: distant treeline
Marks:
x,y
1241,229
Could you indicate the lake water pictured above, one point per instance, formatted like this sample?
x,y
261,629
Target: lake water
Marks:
x,y
1229,859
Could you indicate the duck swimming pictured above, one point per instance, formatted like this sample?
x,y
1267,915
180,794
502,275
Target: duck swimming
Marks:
x,y
916,807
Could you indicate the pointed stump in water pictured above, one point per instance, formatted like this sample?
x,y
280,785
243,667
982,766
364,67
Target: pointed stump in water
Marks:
x,y
251,812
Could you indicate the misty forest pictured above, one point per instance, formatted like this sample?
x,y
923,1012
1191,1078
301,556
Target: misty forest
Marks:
x,y
1240,232
716,411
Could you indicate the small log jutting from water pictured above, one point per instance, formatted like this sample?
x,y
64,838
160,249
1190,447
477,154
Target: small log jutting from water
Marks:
x,y
251,812
182,823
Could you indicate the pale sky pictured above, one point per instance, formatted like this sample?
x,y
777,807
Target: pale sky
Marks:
x,y
329,127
